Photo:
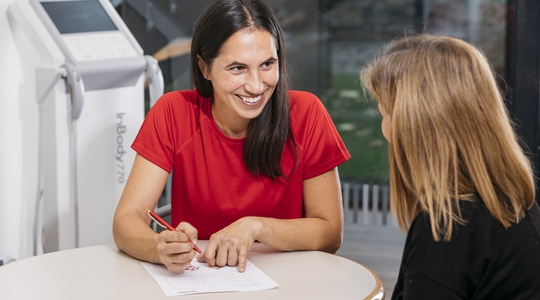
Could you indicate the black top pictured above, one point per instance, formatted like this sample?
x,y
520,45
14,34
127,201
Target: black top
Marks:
x,y
483,260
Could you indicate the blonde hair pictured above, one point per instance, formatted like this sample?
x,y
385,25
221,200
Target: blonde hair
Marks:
x,y
451,137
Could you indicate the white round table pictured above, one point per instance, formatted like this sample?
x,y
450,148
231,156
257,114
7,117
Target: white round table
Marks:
x,y
104,272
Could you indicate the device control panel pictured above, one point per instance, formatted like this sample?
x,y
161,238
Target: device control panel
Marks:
x,y
87,29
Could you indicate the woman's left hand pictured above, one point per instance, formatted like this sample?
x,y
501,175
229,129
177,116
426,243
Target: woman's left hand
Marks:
x,y
230,245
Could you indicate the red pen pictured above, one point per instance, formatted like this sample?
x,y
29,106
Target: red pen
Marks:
x,y
166,225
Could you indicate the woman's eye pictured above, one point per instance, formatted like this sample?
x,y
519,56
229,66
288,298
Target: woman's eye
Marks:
x,y
268,64
237,68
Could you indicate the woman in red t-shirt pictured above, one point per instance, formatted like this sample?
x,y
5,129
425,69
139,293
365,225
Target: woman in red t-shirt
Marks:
x,y
251,160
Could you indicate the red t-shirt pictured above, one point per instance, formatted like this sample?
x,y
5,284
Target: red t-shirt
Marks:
x,y
211,186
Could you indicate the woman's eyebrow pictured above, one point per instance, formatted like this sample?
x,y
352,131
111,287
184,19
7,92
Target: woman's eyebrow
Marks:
x,y
237,63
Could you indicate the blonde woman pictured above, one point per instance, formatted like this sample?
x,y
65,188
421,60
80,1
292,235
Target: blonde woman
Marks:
x,y
461,186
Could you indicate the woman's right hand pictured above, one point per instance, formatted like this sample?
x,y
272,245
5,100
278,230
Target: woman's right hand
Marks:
x,y
174,248
131,227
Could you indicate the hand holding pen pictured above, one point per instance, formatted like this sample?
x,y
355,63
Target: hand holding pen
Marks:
x,y
166,225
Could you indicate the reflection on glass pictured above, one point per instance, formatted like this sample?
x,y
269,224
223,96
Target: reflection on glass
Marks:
x,y
480,22
356,30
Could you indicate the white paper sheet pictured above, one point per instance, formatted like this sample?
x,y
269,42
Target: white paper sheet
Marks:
x,y
201,278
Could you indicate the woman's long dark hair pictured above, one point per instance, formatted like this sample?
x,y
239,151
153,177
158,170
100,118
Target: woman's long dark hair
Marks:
x,y
267,134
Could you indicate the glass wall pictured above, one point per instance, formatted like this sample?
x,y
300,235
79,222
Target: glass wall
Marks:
x,y
328,42
355,30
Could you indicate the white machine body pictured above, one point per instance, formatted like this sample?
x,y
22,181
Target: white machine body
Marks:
x,y
89,73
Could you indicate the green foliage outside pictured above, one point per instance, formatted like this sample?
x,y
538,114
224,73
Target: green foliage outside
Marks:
x,y
359,123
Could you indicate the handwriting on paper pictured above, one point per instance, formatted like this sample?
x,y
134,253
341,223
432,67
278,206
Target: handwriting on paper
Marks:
x,y
201,278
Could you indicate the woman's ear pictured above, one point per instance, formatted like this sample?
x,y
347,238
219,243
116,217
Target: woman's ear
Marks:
x,y
202,66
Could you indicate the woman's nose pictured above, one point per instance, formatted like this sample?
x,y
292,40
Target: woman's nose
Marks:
x,y
254,83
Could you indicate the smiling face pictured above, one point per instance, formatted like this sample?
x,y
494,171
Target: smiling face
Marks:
x,y
244,76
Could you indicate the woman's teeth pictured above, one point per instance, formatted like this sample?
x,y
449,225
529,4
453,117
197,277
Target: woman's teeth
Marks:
x,y
251,100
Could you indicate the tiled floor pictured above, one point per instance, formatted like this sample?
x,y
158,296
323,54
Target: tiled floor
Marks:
x,y
376,247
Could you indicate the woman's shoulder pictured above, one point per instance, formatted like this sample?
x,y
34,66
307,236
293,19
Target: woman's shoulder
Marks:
x,y
480,225
303,102
181,102
303,97
475,216
179,97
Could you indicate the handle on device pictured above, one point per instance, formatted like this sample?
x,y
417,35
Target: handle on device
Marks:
x,y
154,75
77,90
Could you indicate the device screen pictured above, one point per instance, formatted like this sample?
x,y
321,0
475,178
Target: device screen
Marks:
x,y
78,16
